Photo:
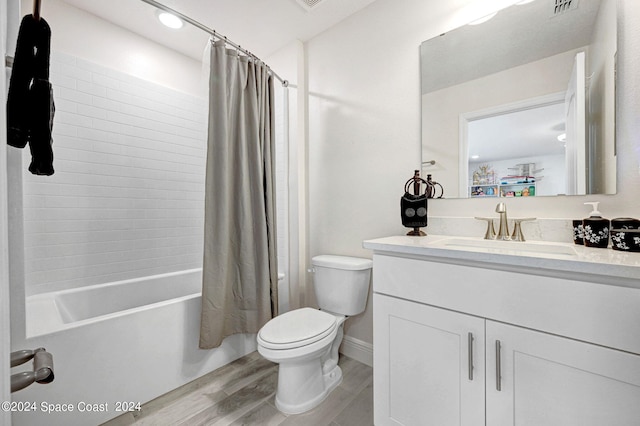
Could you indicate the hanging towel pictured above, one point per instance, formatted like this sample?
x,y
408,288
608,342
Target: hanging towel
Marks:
x,y
30,106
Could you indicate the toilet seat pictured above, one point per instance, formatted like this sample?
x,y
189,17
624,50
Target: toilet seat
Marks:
x,y
296,329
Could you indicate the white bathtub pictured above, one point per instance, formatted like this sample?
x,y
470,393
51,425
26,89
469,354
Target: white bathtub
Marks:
x,y
61,310
127,341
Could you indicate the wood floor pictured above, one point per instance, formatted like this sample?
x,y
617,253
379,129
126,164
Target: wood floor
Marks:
x,y
242,393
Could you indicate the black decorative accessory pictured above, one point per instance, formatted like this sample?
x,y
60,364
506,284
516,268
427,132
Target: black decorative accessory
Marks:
x,y
578,232
413,207
432,188
625,234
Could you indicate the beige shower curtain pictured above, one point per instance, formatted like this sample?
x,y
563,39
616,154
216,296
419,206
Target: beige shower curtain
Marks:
x,y
239,291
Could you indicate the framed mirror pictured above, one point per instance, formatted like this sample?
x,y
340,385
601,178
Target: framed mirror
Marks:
x,y
523,103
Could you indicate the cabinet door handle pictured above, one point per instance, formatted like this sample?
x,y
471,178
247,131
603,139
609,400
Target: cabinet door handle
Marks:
x,y
498,372
470,354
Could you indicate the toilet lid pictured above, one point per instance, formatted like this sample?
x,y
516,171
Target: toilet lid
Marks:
x,y
297,328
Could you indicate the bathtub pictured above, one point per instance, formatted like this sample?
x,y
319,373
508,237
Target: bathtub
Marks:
x,y
118,345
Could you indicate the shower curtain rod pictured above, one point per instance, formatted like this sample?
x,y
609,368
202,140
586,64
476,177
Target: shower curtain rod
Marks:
x,y
8,60
213,32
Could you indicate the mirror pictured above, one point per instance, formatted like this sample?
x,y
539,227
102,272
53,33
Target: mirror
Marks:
x,y
523,104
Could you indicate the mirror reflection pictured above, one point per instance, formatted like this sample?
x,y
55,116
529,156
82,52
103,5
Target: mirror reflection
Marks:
x,y
523,104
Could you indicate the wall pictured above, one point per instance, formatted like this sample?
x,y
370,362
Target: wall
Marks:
x,y
364,128
127,197
601,103
84,35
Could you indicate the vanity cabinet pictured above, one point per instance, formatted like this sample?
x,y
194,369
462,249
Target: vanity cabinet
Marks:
x,y
551,380
438,367
428,365
461,344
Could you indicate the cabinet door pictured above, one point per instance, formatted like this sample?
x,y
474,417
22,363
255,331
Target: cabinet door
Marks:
x,y
548,380
422,360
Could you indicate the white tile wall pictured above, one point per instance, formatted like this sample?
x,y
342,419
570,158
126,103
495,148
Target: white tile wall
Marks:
x,y
127,197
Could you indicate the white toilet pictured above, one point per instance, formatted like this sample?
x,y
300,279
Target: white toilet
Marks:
x,y
305,341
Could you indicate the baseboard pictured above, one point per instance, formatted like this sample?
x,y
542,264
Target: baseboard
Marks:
x,y
357,349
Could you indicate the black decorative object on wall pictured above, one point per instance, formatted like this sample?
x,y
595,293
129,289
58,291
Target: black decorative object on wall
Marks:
x,y
413,206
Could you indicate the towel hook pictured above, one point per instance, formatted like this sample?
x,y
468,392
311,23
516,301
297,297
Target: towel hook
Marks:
x,y
36,10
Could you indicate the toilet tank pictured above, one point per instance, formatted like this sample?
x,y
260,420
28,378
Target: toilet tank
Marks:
x,y
341,283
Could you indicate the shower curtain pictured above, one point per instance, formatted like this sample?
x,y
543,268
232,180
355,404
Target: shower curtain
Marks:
x,y
239,291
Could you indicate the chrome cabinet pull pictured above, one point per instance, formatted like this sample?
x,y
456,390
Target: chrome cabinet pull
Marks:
x,y
498,372
470,354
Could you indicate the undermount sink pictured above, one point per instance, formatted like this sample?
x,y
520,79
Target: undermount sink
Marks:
x,y
506,247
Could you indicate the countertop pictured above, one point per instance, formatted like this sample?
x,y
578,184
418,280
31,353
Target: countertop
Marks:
x,y
566,260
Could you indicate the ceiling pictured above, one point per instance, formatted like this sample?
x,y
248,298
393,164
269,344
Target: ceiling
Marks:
x,y
525,133
517,35
262,27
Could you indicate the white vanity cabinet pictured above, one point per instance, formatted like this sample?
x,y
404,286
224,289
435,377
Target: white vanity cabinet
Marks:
x,y
437,367
428,365
551,380
566,348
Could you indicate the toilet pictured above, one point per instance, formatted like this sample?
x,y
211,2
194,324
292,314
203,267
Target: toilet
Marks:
x,y
305,341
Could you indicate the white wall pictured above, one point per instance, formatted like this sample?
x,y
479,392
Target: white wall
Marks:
x,y
127,197
364,128
601,104
84,35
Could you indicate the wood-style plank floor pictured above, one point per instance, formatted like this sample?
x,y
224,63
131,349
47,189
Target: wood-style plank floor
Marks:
x,y
243,392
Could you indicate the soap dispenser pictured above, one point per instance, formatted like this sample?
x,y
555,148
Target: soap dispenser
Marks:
x,y
596,228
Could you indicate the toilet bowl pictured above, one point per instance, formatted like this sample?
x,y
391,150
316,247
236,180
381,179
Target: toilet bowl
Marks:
x,y
305,342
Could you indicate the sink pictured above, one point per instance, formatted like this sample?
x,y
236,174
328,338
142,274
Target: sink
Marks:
x,y
508,247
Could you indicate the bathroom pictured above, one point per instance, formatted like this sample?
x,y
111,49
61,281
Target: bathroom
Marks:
x,y
354,139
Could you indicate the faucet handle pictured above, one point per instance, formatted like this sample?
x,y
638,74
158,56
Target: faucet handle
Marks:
x,y
517,234
490,234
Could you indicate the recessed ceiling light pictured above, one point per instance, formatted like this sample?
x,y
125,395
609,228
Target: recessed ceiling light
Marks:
x,y
171,21
483,19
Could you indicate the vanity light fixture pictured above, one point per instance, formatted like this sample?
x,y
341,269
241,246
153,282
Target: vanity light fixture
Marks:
x,y
170,20
483,19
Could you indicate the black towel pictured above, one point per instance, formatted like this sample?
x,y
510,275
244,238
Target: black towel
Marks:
x,y
30,106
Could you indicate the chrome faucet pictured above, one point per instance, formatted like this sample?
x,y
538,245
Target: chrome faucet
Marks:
x,y
503,228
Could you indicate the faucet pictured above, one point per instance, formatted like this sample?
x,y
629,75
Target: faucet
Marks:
x,y
503,228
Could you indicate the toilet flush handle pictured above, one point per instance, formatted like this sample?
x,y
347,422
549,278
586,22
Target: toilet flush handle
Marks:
x,y
311,270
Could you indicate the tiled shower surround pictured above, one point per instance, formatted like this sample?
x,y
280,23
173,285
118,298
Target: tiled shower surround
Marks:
x,y
127,196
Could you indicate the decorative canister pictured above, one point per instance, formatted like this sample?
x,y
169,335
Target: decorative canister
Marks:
x,y
578,232
625,223
625,234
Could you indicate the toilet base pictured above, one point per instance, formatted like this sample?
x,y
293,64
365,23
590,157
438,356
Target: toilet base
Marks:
x,y
308,394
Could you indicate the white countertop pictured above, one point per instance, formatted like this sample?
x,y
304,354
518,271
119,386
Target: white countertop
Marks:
x,y
566,260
